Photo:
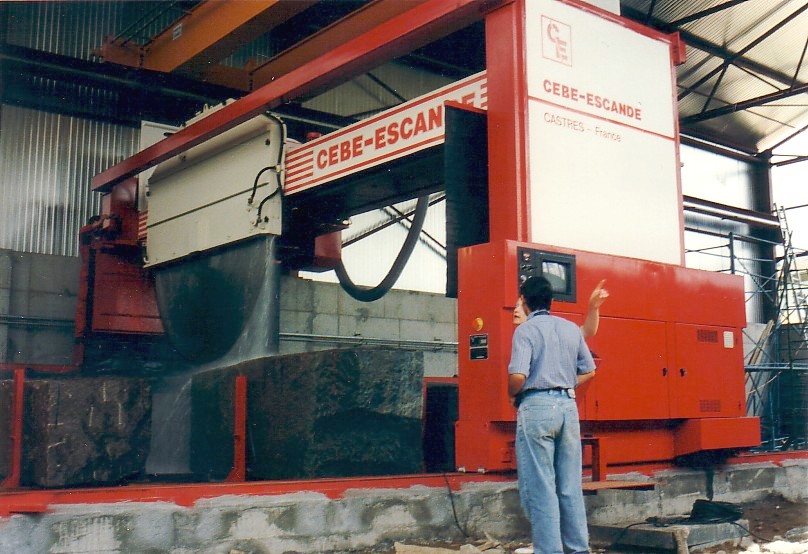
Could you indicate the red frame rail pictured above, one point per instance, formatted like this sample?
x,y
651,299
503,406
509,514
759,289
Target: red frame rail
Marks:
x,y
12,480
239,472
38,501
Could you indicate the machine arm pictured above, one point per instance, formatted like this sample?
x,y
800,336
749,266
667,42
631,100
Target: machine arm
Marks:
x,y
397,36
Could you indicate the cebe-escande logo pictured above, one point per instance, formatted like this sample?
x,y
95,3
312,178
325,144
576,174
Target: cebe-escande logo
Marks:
x,y
556,41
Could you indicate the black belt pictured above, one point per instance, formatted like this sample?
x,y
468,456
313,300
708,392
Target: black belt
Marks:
x,y
562,390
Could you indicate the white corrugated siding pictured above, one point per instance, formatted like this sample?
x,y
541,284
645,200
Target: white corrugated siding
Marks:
x,y
76,29
46,164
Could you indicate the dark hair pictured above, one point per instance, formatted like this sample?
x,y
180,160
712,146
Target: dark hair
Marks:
x,y
538,293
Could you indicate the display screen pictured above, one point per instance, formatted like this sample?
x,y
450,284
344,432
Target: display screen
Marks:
x,y
558,275
558,269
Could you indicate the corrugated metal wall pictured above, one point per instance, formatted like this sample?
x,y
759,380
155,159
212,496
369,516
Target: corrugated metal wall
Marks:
x,y
47,160
46,164
77,28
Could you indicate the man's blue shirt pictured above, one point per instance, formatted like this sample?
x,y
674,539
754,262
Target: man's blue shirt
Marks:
x,y
550,351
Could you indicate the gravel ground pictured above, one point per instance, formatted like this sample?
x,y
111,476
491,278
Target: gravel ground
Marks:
x,y
771,520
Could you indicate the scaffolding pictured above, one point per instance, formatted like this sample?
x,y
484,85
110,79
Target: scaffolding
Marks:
x,y
776,359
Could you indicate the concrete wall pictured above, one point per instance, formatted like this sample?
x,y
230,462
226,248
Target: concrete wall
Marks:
x,y
307,522
329,318
38,296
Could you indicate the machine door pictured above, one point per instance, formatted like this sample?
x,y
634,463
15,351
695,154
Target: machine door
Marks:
x,y
631,380
707,379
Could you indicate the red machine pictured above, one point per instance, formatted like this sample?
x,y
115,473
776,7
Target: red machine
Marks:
x,y
564,152
669,380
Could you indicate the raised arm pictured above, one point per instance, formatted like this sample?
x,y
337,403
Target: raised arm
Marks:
x,y
596,300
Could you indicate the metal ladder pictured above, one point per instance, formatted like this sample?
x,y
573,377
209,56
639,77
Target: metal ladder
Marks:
x,y
792,293
780,355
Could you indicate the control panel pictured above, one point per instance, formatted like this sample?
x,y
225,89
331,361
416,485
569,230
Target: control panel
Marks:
x,y
667,334
557,268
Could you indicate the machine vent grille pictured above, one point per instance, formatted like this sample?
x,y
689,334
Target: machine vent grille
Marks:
x,y
707,335
710,405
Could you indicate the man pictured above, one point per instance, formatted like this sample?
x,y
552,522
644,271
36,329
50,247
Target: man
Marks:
x,y
548,359
592,321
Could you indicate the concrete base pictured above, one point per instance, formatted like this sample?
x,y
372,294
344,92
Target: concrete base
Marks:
x,y
671,537
359,519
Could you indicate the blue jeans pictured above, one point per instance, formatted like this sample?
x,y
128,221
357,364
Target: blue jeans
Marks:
x,y
548,456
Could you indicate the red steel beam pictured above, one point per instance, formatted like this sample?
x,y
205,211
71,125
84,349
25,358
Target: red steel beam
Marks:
x,y
210,32
45,368
39,501
12,480
188,494
402,34
239,472
507,105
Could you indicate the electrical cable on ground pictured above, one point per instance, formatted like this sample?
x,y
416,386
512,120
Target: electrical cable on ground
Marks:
x,y
750,533
369,295
703,512
454,510
622,532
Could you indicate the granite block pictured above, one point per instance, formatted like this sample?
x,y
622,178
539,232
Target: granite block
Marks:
x,y
81,431
331,413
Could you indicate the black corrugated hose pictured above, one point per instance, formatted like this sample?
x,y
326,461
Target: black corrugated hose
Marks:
x,y
369,295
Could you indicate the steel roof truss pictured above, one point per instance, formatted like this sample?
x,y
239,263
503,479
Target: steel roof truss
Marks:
x,y
746,104
745,49
704,13
715,87
799,63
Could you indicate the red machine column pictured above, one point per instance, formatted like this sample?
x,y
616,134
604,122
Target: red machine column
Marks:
x,y
584,163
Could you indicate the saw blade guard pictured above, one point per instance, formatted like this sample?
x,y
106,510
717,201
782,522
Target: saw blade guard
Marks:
x,y
223,305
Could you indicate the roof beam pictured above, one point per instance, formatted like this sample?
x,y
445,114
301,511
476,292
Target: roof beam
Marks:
x,y
795,160
700,137
744,63
704,13
325,40
746,104
412,29
710,48
733,57
339,32
799,64
208,33
65,68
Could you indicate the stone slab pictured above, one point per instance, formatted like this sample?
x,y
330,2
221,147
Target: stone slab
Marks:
x,y
662,537
332,413
82,431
